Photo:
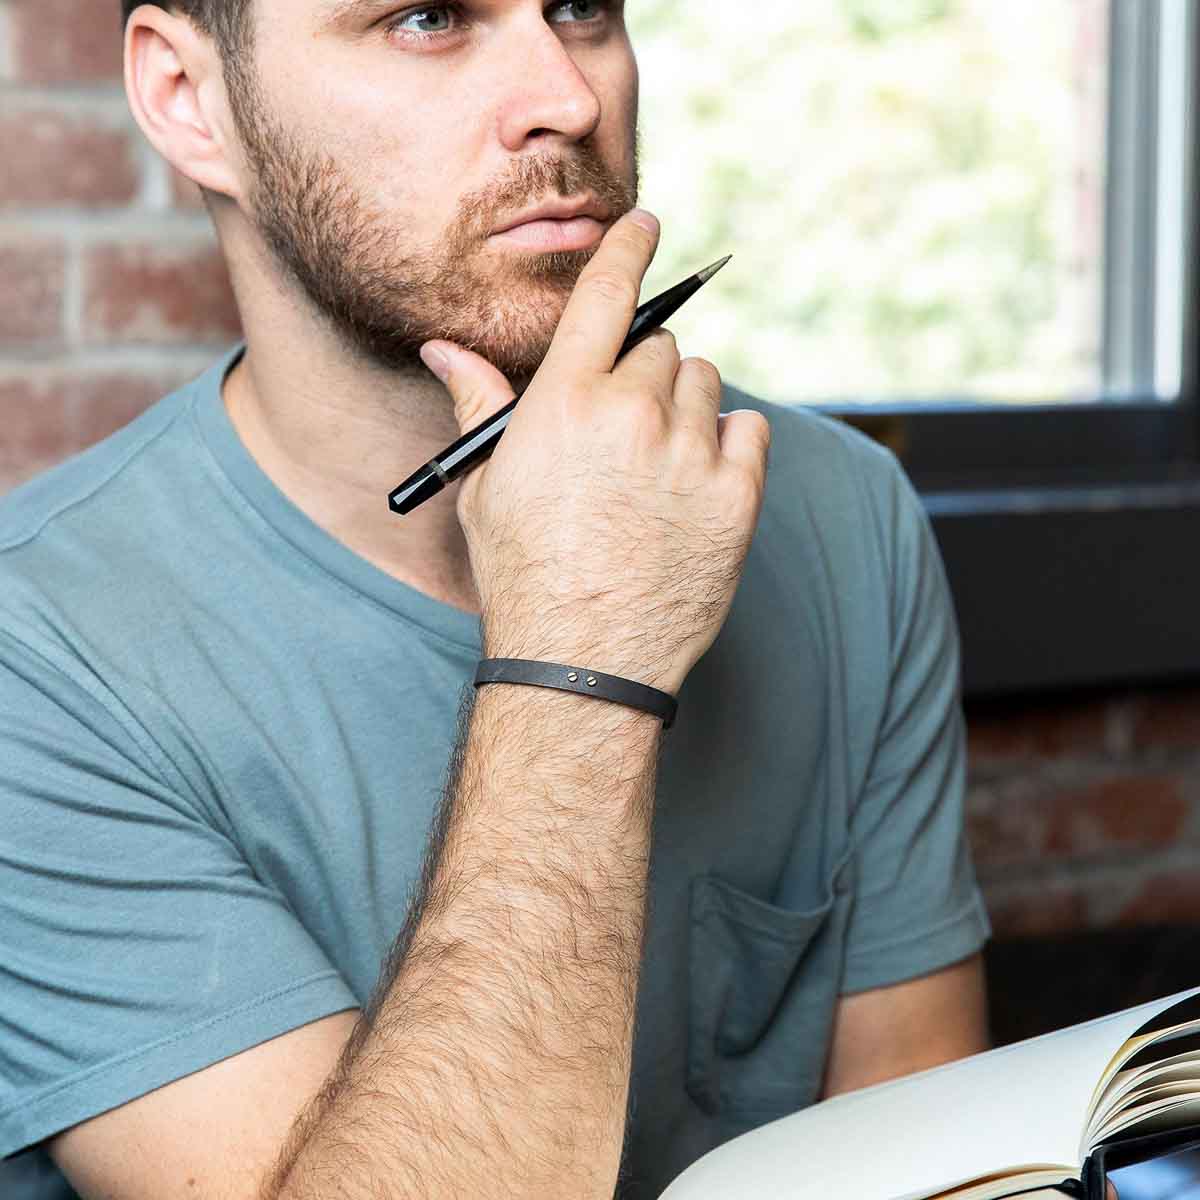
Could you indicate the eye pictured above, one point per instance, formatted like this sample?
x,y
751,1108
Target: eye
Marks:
x,y
432,21
580,8
420,14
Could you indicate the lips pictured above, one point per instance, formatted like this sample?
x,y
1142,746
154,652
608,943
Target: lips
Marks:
x,y
558,210
577,233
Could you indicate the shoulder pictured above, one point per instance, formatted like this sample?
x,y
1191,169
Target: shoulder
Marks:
x,y
73,540
86,479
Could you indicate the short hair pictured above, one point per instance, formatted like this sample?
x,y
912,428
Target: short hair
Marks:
x,y
227,21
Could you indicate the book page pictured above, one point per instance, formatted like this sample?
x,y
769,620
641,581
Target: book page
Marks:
x,y
1179,1081
1141,1106
1170,1029
1025,1104
1176,1069
1180,1113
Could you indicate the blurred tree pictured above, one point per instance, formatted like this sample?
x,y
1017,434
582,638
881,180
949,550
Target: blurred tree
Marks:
x,y
900,182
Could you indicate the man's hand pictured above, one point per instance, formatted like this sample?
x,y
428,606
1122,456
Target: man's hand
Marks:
x,y
610,526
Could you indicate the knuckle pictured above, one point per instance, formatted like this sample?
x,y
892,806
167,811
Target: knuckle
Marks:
x,y
612,286
664,344
703,375
660,350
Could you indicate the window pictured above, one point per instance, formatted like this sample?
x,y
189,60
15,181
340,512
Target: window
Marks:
x,y
967,227
924,198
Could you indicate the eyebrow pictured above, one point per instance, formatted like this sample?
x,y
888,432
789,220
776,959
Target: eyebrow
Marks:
x,y
338,12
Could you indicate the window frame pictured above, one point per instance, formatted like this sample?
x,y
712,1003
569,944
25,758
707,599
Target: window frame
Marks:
x,y
1064,528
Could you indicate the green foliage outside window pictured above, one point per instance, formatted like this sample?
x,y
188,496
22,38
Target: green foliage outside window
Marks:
x,y
912,191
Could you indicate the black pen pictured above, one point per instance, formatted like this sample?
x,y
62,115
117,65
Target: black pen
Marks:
x,y
476,445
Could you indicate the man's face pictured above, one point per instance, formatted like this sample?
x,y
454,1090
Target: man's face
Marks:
x,y
388,143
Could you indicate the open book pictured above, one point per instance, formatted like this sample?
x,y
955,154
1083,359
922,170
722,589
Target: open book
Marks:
x,y
1035,1115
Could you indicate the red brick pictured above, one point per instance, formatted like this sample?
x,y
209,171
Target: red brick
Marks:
x,y
1038,731
1168,720
1124,811
1036,910
35,417
50,413
34,275
1007,824
106,401
160,292
65,41
1030,821
60,158
1168,898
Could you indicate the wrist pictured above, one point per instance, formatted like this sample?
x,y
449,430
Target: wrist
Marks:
x,y
556,724
610,652
579,681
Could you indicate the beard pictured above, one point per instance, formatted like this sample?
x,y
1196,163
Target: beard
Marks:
x,y
384,301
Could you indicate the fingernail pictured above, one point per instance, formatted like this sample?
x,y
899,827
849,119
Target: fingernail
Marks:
x,y
435,360
647,220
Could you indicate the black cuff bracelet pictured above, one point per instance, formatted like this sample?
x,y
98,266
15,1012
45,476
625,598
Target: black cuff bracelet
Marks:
x,y
583,682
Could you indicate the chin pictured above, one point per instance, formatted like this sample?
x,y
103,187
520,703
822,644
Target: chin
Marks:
x,y
516,360
519,330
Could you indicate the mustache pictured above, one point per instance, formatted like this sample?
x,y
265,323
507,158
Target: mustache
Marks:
x,y
534,179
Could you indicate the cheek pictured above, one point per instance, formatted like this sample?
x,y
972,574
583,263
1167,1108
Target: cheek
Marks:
x,y
399,146
404,166
619,96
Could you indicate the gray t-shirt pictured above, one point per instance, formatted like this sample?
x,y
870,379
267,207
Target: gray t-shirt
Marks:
x,y
223,734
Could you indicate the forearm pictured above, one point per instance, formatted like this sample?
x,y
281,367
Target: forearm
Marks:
x,y
495,1058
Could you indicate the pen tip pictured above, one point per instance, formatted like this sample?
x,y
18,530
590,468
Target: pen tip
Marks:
x,y
708,272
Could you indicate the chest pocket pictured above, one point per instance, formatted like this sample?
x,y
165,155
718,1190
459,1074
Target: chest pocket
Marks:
x,y
764,983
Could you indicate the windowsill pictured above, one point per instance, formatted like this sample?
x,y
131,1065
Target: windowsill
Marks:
x,y
1071,536
1073,586
1088,497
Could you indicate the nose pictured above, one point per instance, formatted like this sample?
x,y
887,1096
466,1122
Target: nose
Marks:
x,y
546,92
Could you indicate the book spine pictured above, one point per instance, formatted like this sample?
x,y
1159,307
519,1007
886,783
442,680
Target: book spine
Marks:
x,y
1093,1177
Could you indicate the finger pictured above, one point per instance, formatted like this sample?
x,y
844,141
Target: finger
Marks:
x,y
697,399
598,315
651,366
745,438
477,388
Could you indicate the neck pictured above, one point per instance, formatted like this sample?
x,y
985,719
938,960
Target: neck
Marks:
x,y
335,434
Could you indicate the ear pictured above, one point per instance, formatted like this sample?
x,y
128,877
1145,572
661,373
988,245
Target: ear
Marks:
x,y
177,93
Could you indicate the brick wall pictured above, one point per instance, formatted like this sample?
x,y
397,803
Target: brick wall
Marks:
x,y
1085,813
113,291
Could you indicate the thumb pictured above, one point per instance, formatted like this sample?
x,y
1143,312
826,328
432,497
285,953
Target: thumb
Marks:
x,y
477,388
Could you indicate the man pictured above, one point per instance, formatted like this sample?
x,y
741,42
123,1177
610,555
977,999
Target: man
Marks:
x,y
229,676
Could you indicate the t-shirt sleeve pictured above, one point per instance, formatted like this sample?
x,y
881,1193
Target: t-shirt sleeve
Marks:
x,y
917,906
136,945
